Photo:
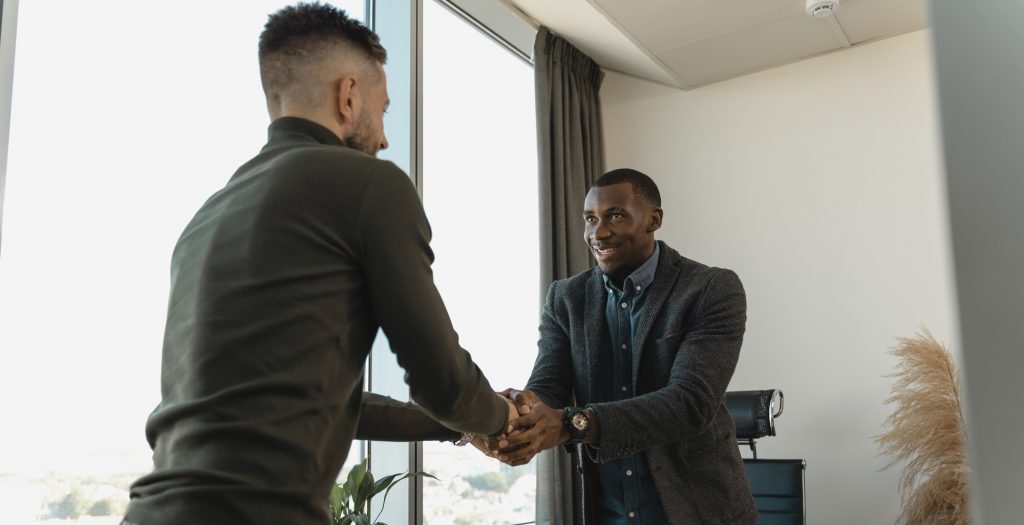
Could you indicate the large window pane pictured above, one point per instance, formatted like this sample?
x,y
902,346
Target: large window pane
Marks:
x,y
480,193
126,116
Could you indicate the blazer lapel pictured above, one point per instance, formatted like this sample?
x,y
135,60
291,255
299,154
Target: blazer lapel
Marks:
x,y
664,277
593,330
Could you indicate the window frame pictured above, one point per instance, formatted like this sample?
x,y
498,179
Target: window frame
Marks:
x,y
400,27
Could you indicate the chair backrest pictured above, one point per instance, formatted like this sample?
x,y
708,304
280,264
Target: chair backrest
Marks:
x,y
777,484
778,488
754,411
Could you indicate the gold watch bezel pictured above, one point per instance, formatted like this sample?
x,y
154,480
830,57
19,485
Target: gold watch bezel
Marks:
x,y
580,421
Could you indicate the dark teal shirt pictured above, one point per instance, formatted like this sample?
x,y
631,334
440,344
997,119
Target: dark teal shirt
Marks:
x,y
627,492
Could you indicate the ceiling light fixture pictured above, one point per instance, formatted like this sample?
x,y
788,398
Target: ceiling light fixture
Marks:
x,y
821,8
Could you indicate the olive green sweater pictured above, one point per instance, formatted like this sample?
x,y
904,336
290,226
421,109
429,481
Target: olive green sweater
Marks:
x,y
278,287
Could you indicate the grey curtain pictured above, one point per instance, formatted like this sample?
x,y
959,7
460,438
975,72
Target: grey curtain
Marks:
x,y
571,153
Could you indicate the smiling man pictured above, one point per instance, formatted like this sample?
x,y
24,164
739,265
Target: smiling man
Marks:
x,y
634,360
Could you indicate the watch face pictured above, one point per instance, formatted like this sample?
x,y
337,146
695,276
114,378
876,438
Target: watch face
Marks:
x,y
579,421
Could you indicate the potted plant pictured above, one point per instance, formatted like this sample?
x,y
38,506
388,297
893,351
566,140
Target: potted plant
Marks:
x,y
349,501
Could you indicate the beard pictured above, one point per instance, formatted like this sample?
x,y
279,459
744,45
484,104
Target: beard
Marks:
x,y
362,138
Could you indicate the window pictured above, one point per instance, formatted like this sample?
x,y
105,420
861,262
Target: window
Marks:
x,y
480,191
125,117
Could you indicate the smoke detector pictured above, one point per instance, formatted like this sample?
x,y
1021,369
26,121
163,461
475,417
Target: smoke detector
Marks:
x,y
821,8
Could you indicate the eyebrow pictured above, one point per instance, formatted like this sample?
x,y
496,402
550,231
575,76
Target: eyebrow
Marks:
x,y
613,209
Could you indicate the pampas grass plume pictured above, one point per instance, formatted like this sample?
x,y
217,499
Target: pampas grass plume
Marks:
x,y
926,434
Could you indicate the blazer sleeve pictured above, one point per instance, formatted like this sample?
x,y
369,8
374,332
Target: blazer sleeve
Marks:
x,y
385,419
552,376
396,259
703,366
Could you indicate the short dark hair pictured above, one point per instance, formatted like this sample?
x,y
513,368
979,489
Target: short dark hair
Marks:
x,y
294,27
643,186
295,35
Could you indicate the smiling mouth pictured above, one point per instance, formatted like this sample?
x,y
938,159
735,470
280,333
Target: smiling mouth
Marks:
x,y
604,251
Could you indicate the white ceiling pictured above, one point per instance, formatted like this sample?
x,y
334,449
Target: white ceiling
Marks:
x,y
690,43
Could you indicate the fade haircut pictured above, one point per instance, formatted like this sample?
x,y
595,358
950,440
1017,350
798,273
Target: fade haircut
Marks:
x,y
298,41
643,186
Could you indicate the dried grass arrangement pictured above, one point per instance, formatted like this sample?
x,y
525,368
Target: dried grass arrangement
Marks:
x,y
926,433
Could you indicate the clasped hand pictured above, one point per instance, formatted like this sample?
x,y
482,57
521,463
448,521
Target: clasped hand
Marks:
x,y
533,427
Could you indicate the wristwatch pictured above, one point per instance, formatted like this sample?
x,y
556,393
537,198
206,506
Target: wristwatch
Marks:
x,y
466,439
578,423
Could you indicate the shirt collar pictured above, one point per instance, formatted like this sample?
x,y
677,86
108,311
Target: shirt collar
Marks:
x,y
641,278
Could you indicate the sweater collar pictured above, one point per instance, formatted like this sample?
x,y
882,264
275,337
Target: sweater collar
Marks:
x,y
296,125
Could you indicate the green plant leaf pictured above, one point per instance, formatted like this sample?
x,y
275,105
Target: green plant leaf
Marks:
x,y
365,492
392,484
357,489
334,503
344,497
382,484
354,486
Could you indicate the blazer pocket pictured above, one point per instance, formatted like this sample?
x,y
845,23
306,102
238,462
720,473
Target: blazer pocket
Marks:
x,y
668,336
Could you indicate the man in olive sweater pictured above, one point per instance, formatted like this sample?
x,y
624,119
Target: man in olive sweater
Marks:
x,y
279,285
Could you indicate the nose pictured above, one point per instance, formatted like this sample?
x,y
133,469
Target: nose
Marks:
x,y
601,231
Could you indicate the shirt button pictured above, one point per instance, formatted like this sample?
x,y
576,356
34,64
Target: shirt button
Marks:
x,y
623,305
623,346
629,472
638,288
623,389
632,514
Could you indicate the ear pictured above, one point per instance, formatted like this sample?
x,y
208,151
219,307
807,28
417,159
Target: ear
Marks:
x,y
656,215
347,100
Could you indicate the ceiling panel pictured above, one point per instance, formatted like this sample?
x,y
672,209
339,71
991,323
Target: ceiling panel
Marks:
x,y
866,20
689,43
663,24
772,44
578,22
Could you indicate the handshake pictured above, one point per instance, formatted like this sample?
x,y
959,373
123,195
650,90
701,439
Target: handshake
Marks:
x,y
533,427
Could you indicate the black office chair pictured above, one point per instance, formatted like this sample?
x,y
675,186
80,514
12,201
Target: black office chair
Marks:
x,y
778,485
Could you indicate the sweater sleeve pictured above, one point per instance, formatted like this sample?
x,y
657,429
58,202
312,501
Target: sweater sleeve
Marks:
x,y
396,258
385,419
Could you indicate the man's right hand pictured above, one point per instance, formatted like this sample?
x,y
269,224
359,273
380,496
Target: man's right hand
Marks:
x,y
489,445
523,399
541,428
513,415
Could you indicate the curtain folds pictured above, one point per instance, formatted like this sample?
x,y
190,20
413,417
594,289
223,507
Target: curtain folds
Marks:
x,y
571,154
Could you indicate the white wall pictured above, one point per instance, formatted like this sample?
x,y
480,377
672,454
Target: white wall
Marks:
x,y
821,184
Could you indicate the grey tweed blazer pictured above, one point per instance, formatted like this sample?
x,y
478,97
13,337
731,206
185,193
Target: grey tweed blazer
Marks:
x,y
688,342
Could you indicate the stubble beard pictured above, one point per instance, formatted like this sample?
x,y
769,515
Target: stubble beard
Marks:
x,y
361,138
